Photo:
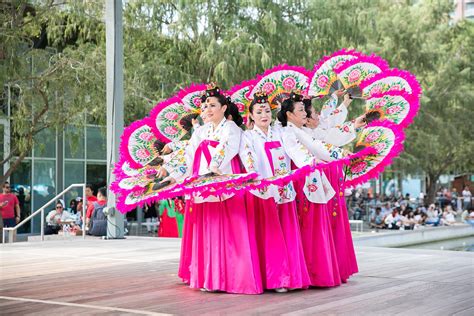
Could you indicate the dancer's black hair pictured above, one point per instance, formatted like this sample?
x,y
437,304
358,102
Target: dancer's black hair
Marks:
x,y
288,106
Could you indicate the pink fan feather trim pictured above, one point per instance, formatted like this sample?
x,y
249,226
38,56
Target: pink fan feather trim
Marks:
x,y
395,151
127,132
412,99
372,59
155,112
282,67
410,78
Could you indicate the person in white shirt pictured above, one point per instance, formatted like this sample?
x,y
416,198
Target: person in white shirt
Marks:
x,y
224,251
313,192
466,196
56,219
279,243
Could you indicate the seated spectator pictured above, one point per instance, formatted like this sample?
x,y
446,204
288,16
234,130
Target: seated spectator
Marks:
x,y
449,216
72,206
78,214
419,217
433,216
467,216
56,219
408,219
377,220
97,223
392,220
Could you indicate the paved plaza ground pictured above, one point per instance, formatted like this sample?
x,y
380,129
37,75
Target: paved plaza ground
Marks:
x,y
138,276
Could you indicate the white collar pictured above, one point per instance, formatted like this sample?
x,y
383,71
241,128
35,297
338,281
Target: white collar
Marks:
x,y
262,133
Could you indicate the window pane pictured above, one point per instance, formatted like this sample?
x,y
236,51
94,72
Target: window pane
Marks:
x,y
73,173
74,142
97,175
21,185
44,187
96,143
45,143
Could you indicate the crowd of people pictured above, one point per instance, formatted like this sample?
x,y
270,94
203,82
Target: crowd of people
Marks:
x,y
400,212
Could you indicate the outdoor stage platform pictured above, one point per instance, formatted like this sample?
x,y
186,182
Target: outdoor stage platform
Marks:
x,y
138,276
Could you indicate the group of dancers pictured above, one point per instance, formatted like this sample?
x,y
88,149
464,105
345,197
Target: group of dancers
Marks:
x,y
280,238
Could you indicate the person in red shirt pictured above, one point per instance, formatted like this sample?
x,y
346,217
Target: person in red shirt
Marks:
x,y
9,206
90,194
101,200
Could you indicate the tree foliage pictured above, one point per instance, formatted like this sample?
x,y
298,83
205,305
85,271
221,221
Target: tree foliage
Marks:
x,y
170,44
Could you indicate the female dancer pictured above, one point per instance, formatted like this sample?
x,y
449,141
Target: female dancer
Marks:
x,y
313,193
224,252
281,254
339,136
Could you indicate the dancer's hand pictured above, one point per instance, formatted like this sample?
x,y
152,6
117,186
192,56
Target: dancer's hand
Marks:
x,y
162,172
347,100
166,150
170,179
215,170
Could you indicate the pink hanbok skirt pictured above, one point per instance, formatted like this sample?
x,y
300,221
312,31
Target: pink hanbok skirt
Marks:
x,y
186,243
318,241
341,229
224,249
299,276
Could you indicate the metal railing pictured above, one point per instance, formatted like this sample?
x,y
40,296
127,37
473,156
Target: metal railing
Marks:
x,y
11,230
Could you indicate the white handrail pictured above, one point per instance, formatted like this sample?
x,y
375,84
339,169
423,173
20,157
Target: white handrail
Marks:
x,y
11,230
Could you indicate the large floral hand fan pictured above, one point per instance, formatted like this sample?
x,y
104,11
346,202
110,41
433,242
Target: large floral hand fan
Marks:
x,y
280,81
390,80
140,180
130,199
352,72
171,117
215,184
241,96
397,107
387,140
138,145
323,75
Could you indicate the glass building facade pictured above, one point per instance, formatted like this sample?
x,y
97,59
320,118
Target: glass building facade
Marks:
x,y
58,159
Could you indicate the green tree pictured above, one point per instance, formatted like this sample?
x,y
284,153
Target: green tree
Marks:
x,y
52,63
423,39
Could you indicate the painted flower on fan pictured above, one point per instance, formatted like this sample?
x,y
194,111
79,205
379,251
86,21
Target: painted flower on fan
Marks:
x,y
380,103
379,147
346,129
396,87
171,130
171,116
268,87
358,167
393,109
289,83
143,153
197,101
322,81
372,136
146,136
312,187
376,89
354,75
240,106
138,192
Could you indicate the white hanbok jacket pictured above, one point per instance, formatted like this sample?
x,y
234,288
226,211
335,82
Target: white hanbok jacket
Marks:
x,y
265,154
